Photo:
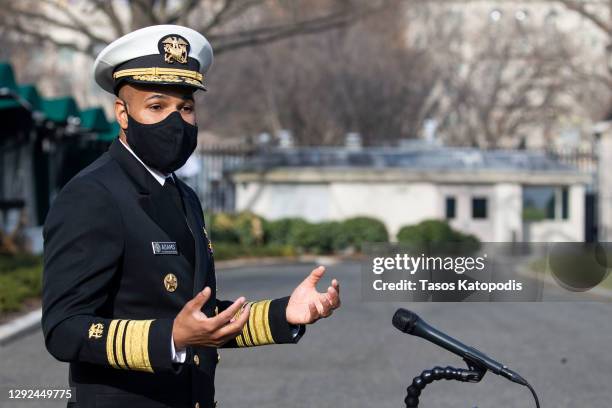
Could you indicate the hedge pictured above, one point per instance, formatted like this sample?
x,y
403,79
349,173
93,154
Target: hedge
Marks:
x,y
432,233
353,232
251,230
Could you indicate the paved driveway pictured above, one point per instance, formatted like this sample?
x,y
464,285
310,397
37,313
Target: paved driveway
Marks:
x,y
357,359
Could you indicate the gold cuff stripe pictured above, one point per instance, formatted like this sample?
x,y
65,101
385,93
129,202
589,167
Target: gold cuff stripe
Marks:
x,y
137,345
129,339
262,323
110,341
267,327
252,328
127,344
257,331
119,345
246,335
157,71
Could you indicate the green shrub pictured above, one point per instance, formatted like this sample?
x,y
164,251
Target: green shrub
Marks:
x,y
282,231
435,233
249,228
317,238
221,228
353,232
244,228
225,251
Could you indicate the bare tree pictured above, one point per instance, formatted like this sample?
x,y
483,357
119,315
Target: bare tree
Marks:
x,y
498,84
597,12
87,25
362,79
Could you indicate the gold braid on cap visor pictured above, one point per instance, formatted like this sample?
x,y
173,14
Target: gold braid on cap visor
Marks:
x,y
158,74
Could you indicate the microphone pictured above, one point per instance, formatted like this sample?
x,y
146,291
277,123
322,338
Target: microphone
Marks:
x,y
410,323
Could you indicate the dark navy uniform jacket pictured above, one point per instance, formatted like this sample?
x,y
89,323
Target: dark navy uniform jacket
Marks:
x,y
121,259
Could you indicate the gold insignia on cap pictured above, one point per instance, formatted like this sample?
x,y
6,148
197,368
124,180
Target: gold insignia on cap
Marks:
x,y
170,282
96,330
175,49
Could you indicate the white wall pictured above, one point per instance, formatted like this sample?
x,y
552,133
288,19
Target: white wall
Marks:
x,y
280,200
407,203
508,213
396,204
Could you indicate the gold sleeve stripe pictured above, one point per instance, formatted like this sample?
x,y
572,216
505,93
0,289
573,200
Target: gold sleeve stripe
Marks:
x,y
253,318
239,340
247,337
145,347
259,323
129,338
262,324
127,344
257,331
110,341
267,327
137,345
119,344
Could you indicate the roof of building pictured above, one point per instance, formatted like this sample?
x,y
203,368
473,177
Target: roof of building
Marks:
x,y
422,159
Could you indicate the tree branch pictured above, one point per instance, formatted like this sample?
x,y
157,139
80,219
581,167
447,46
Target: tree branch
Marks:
x,y
107,8
263,35
78,24
580,8
237,10
182,11
40,37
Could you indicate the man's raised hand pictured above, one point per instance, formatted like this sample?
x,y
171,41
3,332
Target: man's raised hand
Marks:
x,y
306,305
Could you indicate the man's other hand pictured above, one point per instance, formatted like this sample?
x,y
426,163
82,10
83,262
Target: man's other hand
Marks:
x,y
193,328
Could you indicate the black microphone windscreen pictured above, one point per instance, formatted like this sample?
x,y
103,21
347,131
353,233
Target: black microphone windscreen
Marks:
x,y
405,321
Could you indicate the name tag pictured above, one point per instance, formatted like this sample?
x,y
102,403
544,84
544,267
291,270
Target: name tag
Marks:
x,y
164,248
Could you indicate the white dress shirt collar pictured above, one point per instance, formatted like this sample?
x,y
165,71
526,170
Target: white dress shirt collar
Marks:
x,y
159,176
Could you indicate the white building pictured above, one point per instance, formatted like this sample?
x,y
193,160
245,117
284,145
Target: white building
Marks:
x,y
499,196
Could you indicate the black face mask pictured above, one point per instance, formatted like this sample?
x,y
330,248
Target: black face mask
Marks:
x,y
165,145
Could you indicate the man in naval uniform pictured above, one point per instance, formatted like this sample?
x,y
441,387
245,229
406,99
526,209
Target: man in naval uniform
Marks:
x,y
129,294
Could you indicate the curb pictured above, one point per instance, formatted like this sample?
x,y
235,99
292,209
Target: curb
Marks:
x,y
20,326
30,322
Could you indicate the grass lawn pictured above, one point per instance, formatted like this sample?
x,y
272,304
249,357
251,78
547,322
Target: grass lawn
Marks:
x,y
20,279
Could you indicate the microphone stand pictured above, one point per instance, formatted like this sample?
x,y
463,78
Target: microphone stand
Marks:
x,y
473,374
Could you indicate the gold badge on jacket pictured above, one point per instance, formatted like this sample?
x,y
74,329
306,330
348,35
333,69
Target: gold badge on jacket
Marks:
x,y
170,282
96,330
210,246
